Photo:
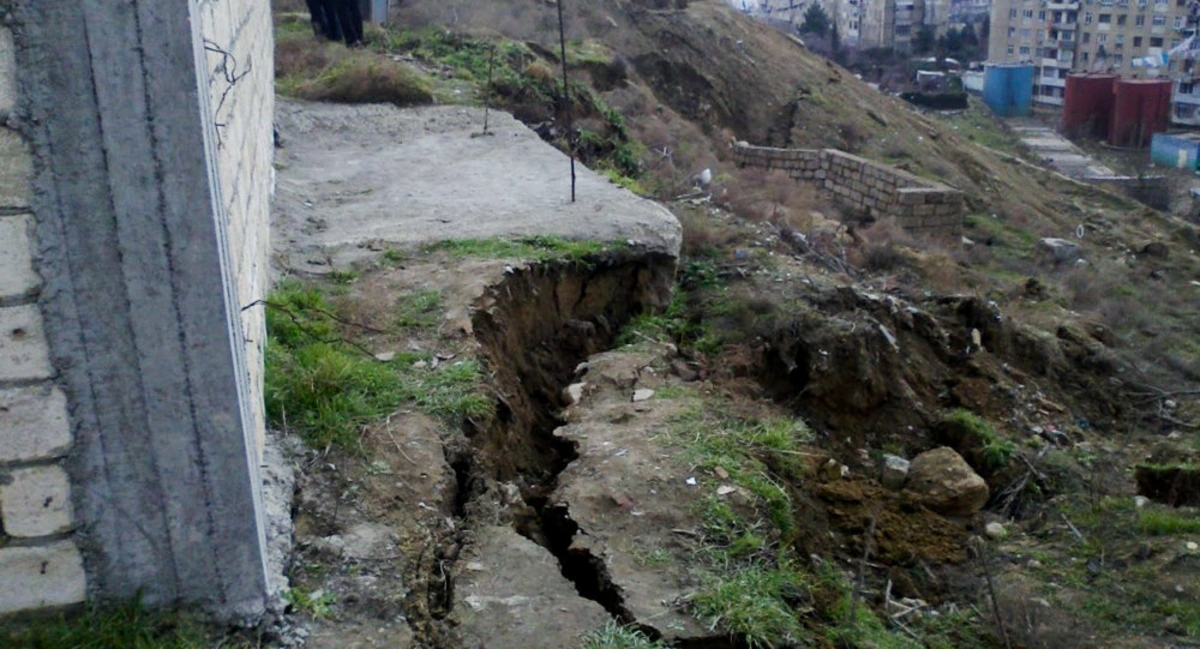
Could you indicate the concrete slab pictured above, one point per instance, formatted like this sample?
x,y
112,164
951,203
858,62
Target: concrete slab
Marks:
x,y
349,175
507,587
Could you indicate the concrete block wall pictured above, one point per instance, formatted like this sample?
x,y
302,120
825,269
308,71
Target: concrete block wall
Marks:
x,y
922,207
40,565
239,58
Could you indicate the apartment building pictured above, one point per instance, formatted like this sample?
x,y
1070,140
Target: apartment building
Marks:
x,y
862,24
1090,36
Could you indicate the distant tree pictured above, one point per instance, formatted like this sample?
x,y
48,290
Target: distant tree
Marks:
x,y
816,21
835,41
969,39
985,33
950,43
923,41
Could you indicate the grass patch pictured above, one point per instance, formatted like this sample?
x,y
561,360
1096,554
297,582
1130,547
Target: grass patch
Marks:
x,y
127,627
537,248
323,384
617,636
756,604
995,450
1160,523
325,71
422,309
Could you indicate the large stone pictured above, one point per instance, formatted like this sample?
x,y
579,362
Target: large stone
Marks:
x,y
895,472
946,483
16,259
8,72
34,424
1062,250
23,350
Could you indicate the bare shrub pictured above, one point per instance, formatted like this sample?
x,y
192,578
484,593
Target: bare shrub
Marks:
x,y
885,247
702,237
760,195
311,69
1029,622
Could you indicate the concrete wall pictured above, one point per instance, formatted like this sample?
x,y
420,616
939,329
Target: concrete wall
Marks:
x,y
40,565
920,206
135,176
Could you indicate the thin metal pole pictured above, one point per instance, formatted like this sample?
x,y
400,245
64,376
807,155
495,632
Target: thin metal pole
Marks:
x,y
562,42
487,105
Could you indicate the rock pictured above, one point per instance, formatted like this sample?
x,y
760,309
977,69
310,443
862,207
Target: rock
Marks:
x,y
1192,546
573,393
385,357
642,395
1063,250
995,530
946,483
1156,249
895,472
1140,501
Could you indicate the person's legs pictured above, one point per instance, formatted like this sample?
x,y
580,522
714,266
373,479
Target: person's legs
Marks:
x,y
317,16
350,19
333,25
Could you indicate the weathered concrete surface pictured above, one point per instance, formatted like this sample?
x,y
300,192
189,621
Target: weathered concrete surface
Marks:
x,y
44,576
508,588
35,424
140,309
350,175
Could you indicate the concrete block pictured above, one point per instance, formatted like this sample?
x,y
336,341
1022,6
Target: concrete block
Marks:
x,y
40,577
8,71
16,169
33,424
36,502
23,350
16,256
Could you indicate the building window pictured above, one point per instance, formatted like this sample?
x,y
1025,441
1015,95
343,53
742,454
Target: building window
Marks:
x,y
1155,41
1012,13
1159,21
1010,50
1105,19
1139,20
903,30
1178,22
1087,18
1185,87
1121,19
1084,57
1160,3
1119,40
1027,13
1012,31
1025,34
1087,37
1041,15
1024,51
1137,41
1102,39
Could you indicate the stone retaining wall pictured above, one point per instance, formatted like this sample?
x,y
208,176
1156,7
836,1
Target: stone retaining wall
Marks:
x,y
920,206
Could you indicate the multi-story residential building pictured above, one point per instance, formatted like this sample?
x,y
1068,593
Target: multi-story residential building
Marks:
x,y
862,24
1059,37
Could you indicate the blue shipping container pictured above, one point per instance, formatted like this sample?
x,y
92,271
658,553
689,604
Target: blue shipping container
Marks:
x,y
1008,89
1179,150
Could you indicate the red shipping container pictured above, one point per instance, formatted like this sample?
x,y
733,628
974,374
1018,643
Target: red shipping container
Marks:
x,y
1088,104
1142,108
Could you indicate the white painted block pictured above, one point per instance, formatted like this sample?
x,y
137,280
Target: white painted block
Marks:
x,y
23,350
35,502
33,424
40,577
16,256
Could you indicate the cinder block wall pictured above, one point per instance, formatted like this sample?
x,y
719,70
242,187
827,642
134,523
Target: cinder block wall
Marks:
x,y
922,207
40,565
239,52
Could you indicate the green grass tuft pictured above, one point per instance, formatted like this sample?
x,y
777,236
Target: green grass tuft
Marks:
x,y
616,636
756,604
126,627
537,248
1160,523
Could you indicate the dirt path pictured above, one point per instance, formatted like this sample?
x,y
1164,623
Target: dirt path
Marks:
x,y
356,178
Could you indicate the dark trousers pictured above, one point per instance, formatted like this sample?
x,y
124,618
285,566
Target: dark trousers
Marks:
x,y
349,17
